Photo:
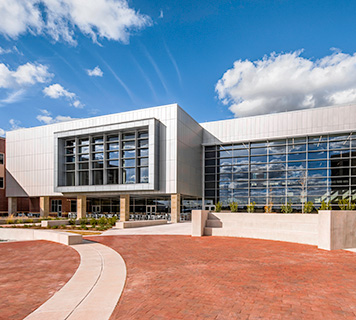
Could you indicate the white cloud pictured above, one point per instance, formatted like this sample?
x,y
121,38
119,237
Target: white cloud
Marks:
x,y
47,118
96,72
25,75
2,132
10,50
287,81
56,91
15,124
160,14
110,19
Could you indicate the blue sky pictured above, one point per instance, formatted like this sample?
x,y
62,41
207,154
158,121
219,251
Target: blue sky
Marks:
x,y
214,58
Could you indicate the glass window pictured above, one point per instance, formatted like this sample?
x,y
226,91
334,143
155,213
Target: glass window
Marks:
x,y
73,205
259,151
225,154
144,162
70,167
277,174
297,148
84,157
277,166
240,153
98,156
128,175
258,175
70,159
70,179
98,140
98,148
84,166
317,146
113,146
317,164
129,162
210,154
113,155
128,136
70,143
143,134
83,178
98,177
113,176
68,151
143,143
241,175
128,154
1,183
98,165
317,173
128,145
143,175
276,142
277,158
113,137
113,163
143,152
318,155
84,141
296,156
258,159
277,149
84,149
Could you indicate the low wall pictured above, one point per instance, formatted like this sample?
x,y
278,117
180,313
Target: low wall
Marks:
x,y
139,223
328,230
20,234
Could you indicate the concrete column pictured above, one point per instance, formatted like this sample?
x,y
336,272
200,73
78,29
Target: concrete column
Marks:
x,y
81,207
175,208
44,206
12,205
124,207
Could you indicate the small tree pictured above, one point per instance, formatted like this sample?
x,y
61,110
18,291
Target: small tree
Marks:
x,y
218,206
345,204
308,207
287,208
233,206
251,207
325,206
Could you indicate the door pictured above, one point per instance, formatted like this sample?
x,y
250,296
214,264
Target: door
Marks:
x,y
96,209
151,210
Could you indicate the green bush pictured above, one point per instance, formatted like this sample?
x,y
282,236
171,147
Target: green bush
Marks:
x,y
325,206
83,221
112,221
30,220
218,207
10,221
93,222
287,208
103,221
308,207
71,222
54,227
345,204
251,207
233,206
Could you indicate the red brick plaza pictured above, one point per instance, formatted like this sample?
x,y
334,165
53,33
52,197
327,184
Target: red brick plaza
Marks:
x,y
30,273
179,277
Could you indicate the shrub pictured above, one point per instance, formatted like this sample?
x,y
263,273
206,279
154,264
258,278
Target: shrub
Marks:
x,y
10,221
325,206
30,220
54,227
112,221
102,221
93,222
287,208
268,207
83,221
251,207
72,222
345,204
308,207
233,206
218,206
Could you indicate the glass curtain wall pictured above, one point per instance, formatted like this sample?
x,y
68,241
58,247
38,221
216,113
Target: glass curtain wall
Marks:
x,y
281,171
114,158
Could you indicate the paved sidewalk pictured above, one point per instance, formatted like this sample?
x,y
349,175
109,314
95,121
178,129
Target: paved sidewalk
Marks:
x,y
183,228
180,277
94,290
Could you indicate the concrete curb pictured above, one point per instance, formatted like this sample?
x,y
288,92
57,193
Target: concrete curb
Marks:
x,y
94,290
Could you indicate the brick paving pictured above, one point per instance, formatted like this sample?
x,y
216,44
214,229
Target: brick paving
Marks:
x,y
179,277
30,273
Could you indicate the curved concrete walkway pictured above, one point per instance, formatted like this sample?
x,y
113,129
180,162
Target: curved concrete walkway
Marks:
x,y
94,290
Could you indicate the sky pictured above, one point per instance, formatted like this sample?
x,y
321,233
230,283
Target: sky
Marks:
x,y
69,59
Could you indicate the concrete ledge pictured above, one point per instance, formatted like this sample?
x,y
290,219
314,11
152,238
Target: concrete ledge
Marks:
x,y
199,219
34,234
139,223
51,223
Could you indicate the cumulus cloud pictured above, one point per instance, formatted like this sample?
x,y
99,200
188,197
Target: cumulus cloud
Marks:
x,y
56,91
2,132
96,72
110,19
46,118
25,75
15,124
287,81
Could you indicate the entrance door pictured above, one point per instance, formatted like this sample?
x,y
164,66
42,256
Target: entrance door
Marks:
x,y
96,209
150,210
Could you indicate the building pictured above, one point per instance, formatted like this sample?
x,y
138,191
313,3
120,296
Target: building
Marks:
x,y
160,161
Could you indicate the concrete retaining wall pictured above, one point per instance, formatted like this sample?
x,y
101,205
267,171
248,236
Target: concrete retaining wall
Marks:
x,y
34,234
328,230
139,223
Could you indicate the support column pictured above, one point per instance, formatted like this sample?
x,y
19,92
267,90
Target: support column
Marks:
x,y
81,207
12,206
124,207
175,208
44,206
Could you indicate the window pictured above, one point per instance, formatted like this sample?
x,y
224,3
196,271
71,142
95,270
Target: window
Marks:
x,y
56,206
1,158
113,158
1,183
73,205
